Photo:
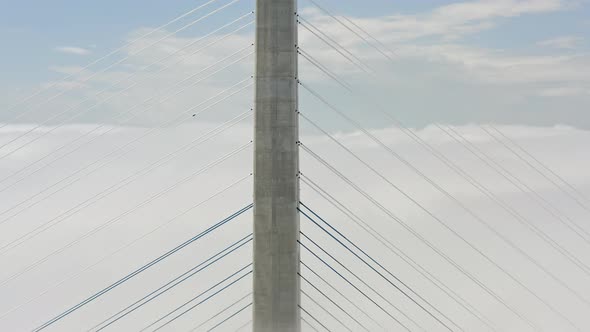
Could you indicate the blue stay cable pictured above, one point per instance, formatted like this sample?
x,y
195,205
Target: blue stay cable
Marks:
x,y
353,285
143,268
375,270
177,281
230,317
198,296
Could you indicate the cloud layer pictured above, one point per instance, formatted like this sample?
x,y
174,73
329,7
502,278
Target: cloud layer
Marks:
x,y
73,50
546,143
438,76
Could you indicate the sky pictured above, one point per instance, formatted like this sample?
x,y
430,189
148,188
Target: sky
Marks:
x,y
482,61
134,154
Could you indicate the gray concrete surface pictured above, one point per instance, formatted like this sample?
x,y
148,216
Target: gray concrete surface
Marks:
x,y
276,164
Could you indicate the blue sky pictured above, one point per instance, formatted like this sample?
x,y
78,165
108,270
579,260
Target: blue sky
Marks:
x,y
97,151
32,29
543,30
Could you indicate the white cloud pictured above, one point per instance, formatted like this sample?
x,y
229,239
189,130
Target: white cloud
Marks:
x,y
452,21
401,33
68,70
483,9
565,42
563,148
546,143
73,50
564,92
502,67
524,70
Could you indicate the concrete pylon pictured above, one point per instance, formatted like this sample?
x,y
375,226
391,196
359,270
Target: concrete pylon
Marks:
x,y
276,167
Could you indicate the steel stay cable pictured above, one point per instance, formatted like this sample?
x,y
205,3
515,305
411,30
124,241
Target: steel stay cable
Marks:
x,y
230,317
529,164
134,115
346,18
120,249
398,252
493,197
516,182
410,198
421,238
333,43
332,301
221,312
577,201
203,301
341,295
513,179
353,286
340,53
512,212
132,177
468,210
463,239
325,310
392,184
328,40
524,221
573,259
121,92
161,27
323,68
128,111
121,216
103,161
308,324
487,193
146,266
124,182
333,77
172,283
243,326
544,166
137,52
132,210
535,229
362,281
54,128
315,319
376,271
395,120
349,29
198,296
